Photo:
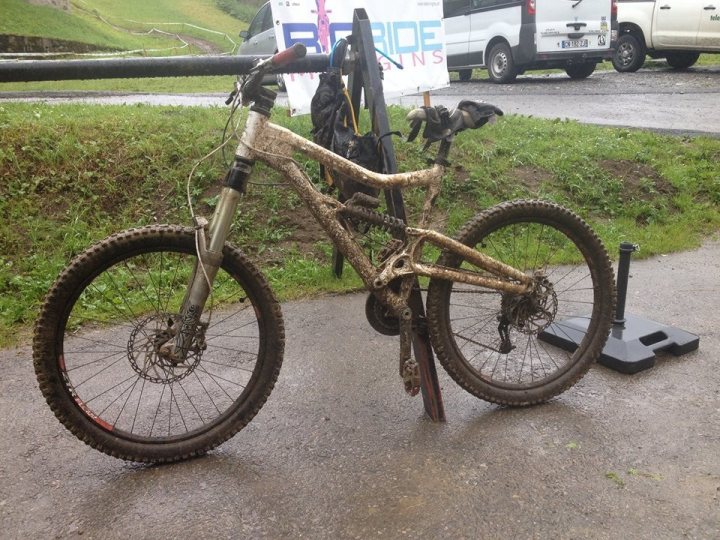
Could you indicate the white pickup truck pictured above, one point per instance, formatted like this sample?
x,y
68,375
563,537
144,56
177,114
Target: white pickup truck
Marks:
x,y
677,30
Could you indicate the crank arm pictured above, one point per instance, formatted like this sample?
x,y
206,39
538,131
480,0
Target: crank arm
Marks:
x,y
409,369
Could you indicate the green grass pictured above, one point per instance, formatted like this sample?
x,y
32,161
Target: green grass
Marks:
x,y
109,25
72,174
84,25
174,85
140,14
244,11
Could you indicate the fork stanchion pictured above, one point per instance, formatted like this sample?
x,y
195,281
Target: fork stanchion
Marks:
x,y
366,78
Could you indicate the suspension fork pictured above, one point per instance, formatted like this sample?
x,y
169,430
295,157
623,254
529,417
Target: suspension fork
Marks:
x,y
210,242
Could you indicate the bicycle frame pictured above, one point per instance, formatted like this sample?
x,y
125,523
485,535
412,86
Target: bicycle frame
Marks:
x,y
274,145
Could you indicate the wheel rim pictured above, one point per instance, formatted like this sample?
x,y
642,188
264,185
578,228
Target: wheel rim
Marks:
x,y
111,358
499,64
625,54
501,336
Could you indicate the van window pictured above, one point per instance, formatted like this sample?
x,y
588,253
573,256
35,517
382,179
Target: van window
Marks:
x,y
453,8
262,21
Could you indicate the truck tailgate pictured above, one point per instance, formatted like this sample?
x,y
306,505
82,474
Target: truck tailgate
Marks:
x,y
573,25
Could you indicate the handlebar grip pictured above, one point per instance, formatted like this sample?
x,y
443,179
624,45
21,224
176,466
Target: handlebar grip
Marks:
x,y
297,51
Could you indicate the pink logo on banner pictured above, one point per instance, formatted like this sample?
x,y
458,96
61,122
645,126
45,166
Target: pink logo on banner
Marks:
x,y
323,25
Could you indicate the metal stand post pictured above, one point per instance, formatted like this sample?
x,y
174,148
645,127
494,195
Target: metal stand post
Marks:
x,y
633,341
366,79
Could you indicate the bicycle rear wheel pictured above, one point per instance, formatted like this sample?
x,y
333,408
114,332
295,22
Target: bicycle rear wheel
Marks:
x,y
97,347
490,342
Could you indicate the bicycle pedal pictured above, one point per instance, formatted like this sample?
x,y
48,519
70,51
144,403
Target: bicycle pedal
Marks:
x,y
411,377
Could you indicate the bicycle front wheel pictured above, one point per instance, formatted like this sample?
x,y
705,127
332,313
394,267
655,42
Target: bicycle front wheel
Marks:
x,y
497,345
98,357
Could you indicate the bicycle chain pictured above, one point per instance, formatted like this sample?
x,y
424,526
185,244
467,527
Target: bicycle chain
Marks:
x,y
385,222
389,249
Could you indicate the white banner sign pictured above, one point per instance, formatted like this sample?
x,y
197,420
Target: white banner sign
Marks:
x,y
409,32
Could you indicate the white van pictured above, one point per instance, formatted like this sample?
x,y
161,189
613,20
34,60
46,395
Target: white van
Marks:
x,y
511,36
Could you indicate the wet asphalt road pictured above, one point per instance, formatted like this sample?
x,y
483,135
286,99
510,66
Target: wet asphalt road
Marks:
x,y
660,99
339,451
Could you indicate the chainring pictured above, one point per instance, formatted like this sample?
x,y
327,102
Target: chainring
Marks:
x,y
380,317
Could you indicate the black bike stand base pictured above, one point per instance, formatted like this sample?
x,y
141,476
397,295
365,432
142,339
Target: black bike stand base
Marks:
x,y
631,345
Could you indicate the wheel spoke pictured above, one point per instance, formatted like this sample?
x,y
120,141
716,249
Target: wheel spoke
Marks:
x,y
116,356
508,362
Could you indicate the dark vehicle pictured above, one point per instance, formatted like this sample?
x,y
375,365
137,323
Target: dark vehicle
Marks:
x,y
259,40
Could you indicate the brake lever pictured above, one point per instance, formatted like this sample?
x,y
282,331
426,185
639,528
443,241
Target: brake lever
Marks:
x,y
233,93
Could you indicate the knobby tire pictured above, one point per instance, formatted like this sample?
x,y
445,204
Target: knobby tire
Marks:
x,y
491,343
96,342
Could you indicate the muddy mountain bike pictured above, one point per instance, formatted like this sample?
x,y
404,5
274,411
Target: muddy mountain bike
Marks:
x,y
159,343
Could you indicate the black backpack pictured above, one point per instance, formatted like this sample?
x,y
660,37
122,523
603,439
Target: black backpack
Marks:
x,y
333,129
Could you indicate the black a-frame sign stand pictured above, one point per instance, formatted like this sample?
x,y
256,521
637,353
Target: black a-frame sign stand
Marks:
x,y
366,79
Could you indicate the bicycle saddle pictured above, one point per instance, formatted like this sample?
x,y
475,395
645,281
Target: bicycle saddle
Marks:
x,y
440,123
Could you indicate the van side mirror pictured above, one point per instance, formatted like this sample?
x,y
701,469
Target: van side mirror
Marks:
x,y
244,34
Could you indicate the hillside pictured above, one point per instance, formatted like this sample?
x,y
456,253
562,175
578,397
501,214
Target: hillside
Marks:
x,y
130,25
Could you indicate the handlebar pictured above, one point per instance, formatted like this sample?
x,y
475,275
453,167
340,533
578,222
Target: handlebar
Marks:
x,y
282,58
252,85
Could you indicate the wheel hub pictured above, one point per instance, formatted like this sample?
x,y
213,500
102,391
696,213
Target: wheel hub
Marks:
x,y
531,313
625,54
499,64
147,355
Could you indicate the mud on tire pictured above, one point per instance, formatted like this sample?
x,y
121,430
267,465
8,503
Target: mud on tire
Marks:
x,y
491,343
96,344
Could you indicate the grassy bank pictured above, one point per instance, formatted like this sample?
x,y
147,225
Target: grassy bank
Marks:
x,y
171,85
124,25
71,174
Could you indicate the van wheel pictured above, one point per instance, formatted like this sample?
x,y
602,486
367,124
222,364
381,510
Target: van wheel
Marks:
x,y
500,64
629,55
465,75
682,60
580,71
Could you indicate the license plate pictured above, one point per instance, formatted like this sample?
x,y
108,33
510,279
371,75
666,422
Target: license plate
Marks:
x,y
575,43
